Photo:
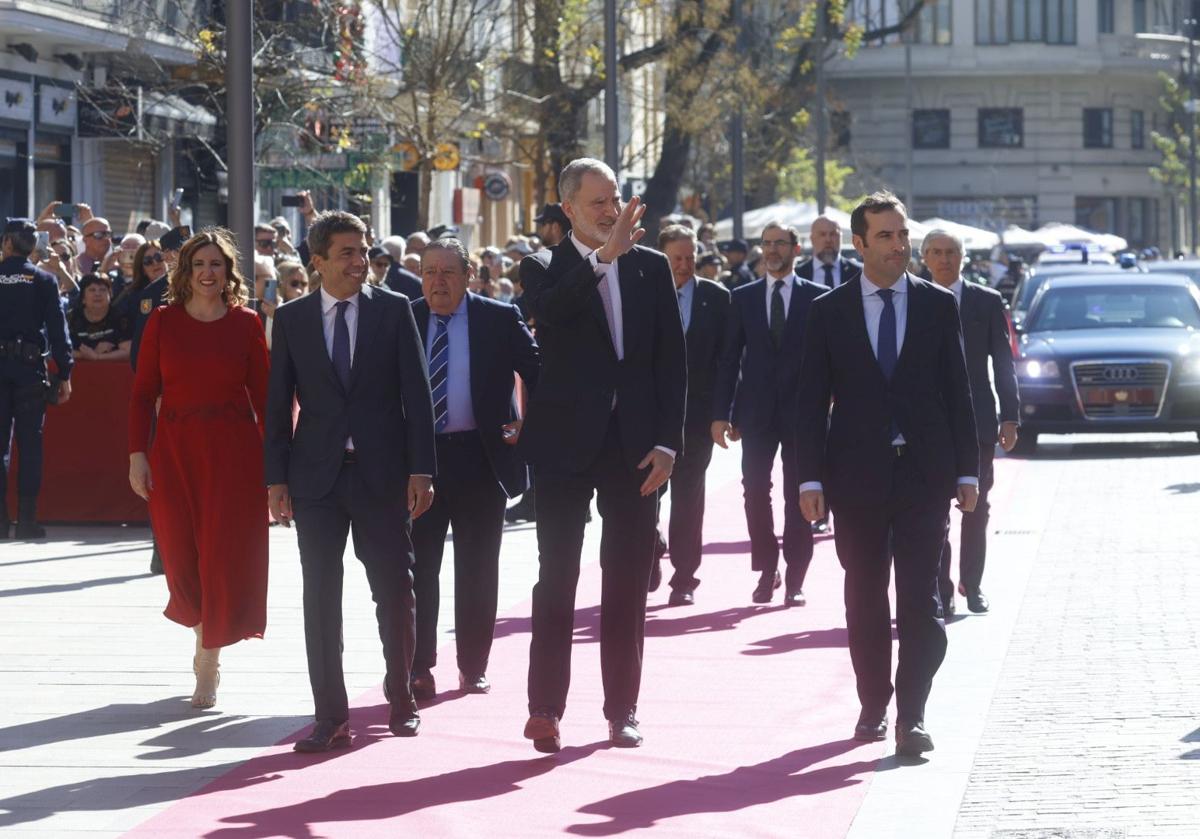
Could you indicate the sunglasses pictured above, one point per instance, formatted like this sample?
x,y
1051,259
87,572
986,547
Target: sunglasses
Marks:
x,y
151,260
264,243
298,284
99,234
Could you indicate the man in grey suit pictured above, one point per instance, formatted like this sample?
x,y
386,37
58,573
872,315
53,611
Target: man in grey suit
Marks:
x,y
985,337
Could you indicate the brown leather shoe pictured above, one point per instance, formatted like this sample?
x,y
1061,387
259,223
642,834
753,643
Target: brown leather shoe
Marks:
x,y
542,729
423,686
326,735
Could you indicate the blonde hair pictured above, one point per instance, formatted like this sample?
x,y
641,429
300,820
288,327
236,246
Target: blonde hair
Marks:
x,y
179,288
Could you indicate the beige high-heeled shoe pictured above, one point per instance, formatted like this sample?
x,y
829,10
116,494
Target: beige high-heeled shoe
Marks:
x,y
206,664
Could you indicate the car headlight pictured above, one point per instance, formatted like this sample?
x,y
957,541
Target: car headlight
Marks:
x,y
1035,369
1191,367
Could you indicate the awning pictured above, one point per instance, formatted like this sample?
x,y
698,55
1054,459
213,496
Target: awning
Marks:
x,y
113,113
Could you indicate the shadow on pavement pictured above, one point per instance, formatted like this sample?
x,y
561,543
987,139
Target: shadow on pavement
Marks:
x,y
745,786
807,640
82,585
383,801
1183,489
132,549
1110,450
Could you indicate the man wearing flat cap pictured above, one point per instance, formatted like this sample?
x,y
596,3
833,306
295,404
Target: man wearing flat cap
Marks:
x,y
29,313
739,273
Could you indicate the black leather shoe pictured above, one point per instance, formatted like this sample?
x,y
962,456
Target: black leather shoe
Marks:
x,y
765,589
912,739
404,722
871,728
820,526
681,598
976,602
623,733
947,610
542,729
655,574
423,686
325,735
795,597
473,684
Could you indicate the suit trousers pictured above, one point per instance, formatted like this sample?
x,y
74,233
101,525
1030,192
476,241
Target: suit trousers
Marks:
x,y
972,546
23,410
468,500
909,530
626,554
758,462
685,531
380,528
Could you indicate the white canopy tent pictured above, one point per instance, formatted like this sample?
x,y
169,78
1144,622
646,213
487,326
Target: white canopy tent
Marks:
x,y
1068,234
800,215
974,238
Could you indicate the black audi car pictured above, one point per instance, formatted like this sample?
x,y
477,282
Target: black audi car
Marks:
x,y
1107,353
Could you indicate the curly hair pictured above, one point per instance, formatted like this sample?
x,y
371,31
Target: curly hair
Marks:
x,y
180,285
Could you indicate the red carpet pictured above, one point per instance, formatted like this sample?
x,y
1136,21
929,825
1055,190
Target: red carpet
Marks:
x,y
746,712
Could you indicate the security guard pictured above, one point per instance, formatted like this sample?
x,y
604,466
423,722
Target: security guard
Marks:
x,y
29,312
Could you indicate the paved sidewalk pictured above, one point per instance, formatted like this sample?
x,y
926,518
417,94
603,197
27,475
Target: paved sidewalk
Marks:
x,y
1073,709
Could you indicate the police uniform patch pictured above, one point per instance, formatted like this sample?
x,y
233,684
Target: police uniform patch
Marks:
x,y
147,305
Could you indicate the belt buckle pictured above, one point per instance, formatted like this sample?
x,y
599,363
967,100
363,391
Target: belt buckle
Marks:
x,y
899,449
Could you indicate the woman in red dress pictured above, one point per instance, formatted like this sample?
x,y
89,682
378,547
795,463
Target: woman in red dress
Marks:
x,y
205,355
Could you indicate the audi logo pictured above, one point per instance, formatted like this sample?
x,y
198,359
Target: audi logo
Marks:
x,y
1120,374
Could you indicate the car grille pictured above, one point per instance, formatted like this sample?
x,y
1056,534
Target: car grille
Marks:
x,y
1120,389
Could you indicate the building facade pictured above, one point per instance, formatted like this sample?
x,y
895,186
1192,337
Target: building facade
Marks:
x,y
995,112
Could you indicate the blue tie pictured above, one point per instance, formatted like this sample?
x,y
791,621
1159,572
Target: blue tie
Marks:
x,y
439,365
341,345
887,334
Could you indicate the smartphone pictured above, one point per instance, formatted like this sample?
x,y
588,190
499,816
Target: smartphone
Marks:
x,y
43,242
176,197
270,293
292,201
66,210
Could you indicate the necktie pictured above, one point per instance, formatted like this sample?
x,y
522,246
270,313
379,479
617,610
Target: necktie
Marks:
x,y
828,275
606,299
887,334
683,316
439,365
341,345
778,316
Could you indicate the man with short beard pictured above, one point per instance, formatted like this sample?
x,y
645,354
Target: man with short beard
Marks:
x,y
827,267
754,401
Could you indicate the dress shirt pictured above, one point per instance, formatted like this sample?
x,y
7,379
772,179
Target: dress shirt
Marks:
x,y
460,409
329,319
686,295
872,312
956,287
607,272
789,282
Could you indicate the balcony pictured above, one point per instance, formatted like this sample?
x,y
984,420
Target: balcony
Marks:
x,y
158,28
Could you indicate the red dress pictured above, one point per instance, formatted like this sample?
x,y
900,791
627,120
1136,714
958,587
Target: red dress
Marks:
x,y
207,501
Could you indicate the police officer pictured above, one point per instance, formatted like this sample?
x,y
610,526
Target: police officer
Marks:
x,y
29,312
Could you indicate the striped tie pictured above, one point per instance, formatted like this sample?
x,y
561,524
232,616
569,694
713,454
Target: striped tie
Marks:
x,y
439,361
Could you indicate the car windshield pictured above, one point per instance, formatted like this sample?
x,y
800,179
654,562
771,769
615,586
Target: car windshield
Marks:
x,y
1115,306
1027,290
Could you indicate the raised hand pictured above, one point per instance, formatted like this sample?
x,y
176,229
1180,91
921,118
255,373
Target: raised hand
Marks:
x,y
625,233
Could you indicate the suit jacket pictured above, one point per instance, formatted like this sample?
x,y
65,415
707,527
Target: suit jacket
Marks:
x,y
985,335
706,331
402,281
501,345
149,299
929,397
848,267
387,409
756,383
568,416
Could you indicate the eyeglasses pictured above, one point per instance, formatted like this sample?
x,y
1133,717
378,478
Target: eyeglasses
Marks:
x,y
151,260
264,243
99,234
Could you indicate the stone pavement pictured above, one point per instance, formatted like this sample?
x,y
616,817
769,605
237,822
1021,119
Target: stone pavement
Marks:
x,y
1072,710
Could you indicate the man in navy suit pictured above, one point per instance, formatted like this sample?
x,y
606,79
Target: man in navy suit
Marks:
x,y
704,308
607,418
827,267
754,401
361,459
474,346
886,350
986,340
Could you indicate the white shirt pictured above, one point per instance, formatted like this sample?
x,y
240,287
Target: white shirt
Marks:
x,y
608,274
328,322
789,282
872,312
956,287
